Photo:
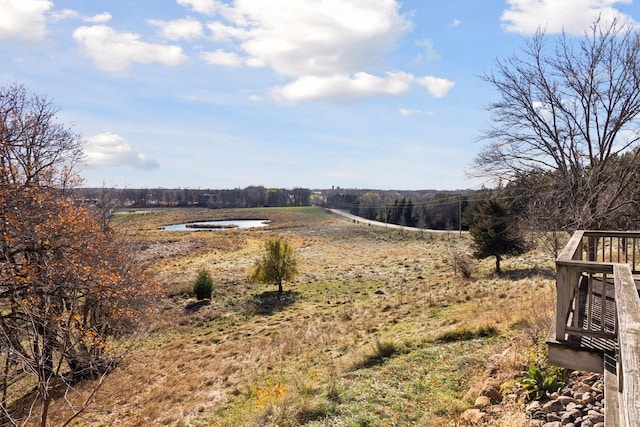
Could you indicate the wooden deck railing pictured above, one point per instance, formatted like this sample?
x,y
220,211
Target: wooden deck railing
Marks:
x,y
597,298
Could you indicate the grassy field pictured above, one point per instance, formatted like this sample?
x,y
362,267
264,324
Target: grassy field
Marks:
x,y
376,330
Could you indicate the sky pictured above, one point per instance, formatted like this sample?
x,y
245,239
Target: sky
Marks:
x,y
368,94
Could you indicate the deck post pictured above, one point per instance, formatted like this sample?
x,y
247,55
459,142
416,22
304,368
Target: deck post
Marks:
x,y
566,282
562,299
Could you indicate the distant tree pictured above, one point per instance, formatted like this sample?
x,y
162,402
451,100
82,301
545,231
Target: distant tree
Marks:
x,y
369,205
395,214
570,113
301,197
345,201
492,232
278,263
255,196
275,197
407,213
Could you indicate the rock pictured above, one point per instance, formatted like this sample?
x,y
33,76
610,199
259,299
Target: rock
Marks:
x,y
539,415
491,389
596,417
579,404
568,417
482,402
552,406
588,397
581,388
591,379
471,417
571,406
565,400
533,407
552,417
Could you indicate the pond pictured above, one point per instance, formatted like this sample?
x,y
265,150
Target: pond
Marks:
x,y
218,225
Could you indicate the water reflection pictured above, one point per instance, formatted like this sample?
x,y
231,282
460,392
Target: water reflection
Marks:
x,y
218,225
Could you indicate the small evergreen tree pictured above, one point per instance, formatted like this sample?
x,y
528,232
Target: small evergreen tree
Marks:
x,y
277,264
492,231
203,286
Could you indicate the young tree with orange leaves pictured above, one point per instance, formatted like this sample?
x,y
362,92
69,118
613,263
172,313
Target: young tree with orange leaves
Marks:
x,y
67,281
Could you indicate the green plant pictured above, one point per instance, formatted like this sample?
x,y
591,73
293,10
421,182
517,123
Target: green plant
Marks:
x,y
538,383
467,333
277,264
203,286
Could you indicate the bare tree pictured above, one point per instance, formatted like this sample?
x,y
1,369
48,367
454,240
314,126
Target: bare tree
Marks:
x,y
570,113
35,149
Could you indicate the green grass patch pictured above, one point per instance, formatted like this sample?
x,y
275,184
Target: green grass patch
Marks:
x,y
119,214
382,350
310,213
467,333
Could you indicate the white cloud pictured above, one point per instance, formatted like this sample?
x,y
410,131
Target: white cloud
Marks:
x,y
455,23
221,57
61,15
180,29
108,150
206,7
344,88
430,53
225,33
324,37
574,16
100,18
327,49
23,19
436,86
64,14
408,112
115,51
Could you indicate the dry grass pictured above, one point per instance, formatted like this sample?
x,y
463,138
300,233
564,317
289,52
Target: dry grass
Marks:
x,y
353,342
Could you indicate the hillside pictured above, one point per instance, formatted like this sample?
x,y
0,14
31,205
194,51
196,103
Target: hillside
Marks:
x,y
376,330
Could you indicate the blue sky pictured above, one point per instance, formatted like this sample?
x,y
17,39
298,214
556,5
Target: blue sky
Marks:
x,y
377,94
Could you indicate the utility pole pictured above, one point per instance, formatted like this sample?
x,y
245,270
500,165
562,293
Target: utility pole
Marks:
x,y
460,214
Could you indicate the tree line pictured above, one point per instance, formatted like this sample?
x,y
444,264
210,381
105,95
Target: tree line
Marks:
x,y
248,197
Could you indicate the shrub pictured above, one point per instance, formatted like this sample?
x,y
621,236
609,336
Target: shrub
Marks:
x,y
460,261
539,384
203,286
